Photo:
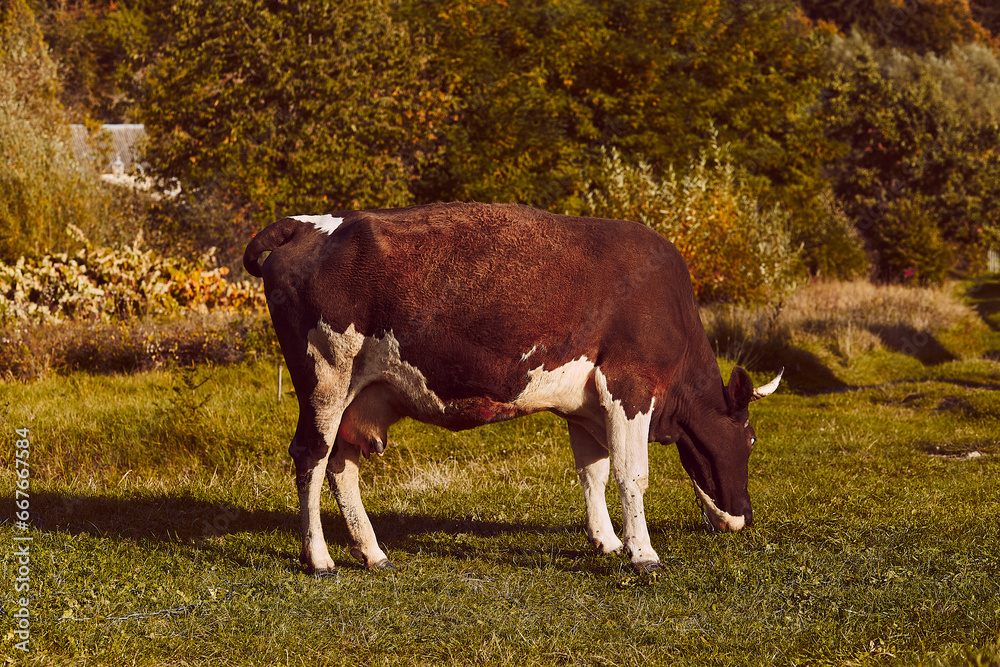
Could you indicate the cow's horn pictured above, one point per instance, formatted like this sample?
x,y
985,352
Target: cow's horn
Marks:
x,y
768,389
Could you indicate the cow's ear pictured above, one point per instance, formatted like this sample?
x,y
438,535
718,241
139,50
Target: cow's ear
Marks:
x,y
740,390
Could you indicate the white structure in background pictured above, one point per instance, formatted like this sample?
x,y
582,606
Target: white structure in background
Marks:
x,y
121,164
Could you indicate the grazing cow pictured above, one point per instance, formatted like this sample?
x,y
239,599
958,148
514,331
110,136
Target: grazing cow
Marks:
x,y
465,314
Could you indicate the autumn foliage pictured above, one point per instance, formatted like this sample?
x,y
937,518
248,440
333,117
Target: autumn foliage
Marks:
x,y
858,133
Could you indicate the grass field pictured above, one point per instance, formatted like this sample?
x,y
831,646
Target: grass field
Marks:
x,y
164,526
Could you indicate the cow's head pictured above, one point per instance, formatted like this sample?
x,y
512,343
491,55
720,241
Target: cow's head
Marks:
x,y
715,452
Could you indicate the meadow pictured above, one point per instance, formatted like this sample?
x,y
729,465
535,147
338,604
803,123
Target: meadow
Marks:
x,y
165,531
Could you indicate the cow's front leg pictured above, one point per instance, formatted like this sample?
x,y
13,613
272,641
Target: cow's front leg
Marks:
x,y
628,442
342,470
594,468
310,453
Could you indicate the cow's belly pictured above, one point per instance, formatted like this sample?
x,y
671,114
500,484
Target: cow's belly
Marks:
x,y
567,391
382,389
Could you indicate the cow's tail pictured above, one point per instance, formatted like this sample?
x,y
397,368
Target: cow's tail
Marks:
x,y
271,237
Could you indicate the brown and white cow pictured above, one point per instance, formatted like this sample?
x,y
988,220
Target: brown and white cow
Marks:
x,y
465,314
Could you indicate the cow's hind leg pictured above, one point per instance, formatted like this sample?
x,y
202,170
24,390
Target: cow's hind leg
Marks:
x,y
594,468
310,452
342,471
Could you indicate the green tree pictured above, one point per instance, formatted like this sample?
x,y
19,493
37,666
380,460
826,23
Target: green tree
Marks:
x,y
919,25
521,128
42,185
924,130
539,86
98,46
753,71
269,109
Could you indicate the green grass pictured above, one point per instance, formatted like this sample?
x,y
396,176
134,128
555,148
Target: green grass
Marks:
x,y
165,532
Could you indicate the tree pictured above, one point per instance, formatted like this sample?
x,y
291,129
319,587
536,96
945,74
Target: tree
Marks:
x,y
98,46
521,128
541,85
43,188
987,14
270,109
919,25
921,130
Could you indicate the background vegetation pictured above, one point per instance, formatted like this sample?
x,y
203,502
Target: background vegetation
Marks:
x,y
781,145
871,125
165,525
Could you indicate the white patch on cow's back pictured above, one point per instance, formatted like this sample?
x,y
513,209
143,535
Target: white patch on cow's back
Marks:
x,y
563,389
524,357
324,223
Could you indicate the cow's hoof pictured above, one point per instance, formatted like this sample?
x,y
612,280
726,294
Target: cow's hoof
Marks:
x,y
324,572
647,567
610,547
382,565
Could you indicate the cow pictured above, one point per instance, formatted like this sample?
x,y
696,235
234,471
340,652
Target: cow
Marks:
x,y
464,314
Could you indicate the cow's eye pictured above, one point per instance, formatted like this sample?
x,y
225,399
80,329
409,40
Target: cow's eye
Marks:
x,y
752,440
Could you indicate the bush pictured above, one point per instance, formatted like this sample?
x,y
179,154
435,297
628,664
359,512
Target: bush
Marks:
x,y
922,169
832,248
908,246
736,248
114,284
42,185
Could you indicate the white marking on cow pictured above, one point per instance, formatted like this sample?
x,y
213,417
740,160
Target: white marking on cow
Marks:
x,y
563,389
333,358
594,467
524,357
628,444
346,364
343,473
723,521
380,362
313,543
355,374
324,223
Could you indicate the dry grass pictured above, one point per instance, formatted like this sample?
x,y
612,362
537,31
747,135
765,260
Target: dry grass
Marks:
x,y
847,320
29,352
831,306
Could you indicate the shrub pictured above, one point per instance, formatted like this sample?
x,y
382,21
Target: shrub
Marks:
x,y
908,246
832,248
737,249
114,284
42,185
922,168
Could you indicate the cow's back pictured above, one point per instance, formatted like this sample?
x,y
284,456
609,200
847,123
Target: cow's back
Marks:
x,y
479,295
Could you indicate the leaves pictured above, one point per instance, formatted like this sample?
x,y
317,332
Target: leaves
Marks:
x,y
282,110
736,248
114,284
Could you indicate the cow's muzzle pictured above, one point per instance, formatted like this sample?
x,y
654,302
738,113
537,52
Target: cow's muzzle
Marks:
x,y
716,519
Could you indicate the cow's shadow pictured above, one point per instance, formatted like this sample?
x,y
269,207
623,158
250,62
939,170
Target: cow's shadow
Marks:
x,y
196,523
